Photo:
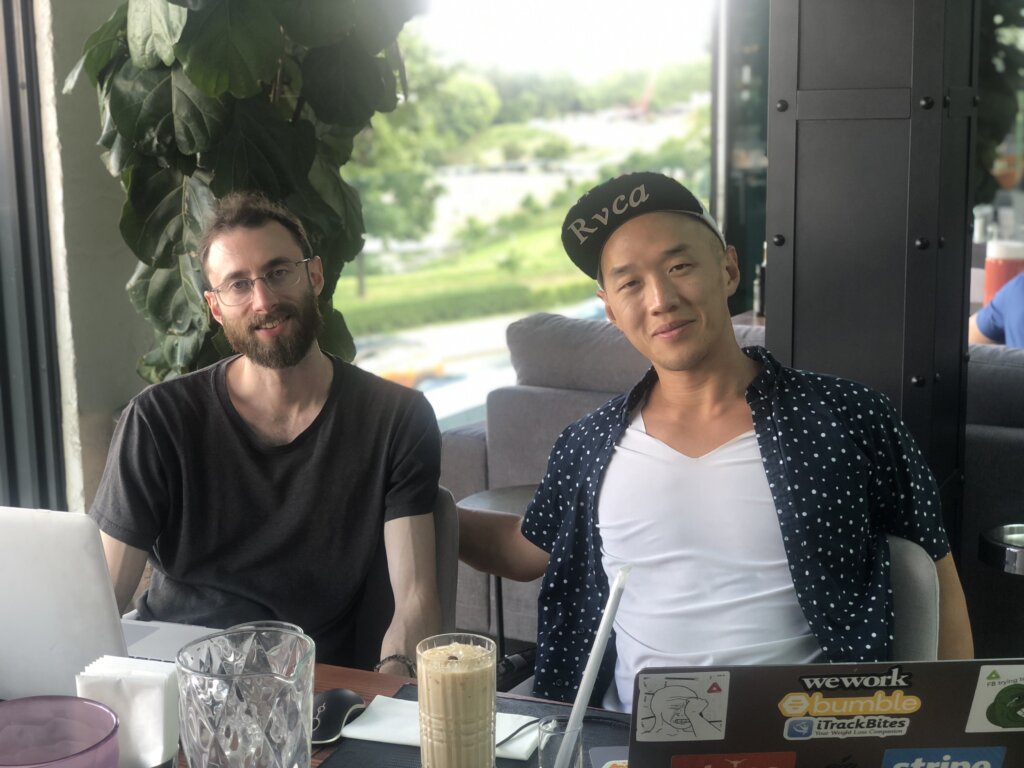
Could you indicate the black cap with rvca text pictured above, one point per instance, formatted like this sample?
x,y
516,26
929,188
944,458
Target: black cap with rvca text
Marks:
x,y
606,207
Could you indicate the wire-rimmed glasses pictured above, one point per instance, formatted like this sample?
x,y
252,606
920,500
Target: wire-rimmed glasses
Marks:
x,y
239,290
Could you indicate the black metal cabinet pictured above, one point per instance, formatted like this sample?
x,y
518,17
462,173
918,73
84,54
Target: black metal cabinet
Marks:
x,y
870,121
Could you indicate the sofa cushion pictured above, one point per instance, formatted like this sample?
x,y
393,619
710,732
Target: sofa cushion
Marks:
x,y
995,386
523,423
568,353
749,335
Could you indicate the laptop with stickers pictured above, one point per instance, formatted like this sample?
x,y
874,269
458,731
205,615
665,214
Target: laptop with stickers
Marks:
x,y
924,714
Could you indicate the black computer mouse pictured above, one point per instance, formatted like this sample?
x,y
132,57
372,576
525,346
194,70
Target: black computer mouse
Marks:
x,y
331,710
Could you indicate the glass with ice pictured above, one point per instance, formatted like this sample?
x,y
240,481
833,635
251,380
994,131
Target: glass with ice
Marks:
x,y
456,682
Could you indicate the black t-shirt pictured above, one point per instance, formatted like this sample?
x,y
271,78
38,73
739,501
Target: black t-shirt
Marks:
x,y
239,531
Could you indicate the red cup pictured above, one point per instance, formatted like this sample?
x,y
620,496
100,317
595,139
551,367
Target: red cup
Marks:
x,y
1004,260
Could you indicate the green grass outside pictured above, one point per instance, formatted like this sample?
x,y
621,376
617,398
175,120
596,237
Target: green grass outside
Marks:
x,y
523,271
489,145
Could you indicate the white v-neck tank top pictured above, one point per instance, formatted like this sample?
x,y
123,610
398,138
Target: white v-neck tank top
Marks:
x,y
710,583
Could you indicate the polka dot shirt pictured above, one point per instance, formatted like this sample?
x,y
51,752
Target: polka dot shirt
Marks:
x,y
843,472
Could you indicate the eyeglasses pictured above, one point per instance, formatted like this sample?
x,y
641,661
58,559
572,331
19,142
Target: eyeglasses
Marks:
x,y
239,290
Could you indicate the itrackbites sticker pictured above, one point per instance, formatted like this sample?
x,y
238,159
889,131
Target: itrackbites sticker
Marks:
x,y
998,704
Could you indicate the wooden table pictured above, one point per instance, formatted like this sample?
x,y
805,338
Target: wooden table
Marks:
x,y
369,685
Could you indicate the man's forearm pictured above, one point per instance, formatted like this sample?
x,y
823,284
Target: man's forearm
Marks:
x,y
492,542
414,620
955,639
125,564
412,562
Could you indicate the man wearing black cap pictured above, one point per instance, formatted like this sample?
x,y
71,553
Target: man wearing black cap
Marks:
x,y
752,500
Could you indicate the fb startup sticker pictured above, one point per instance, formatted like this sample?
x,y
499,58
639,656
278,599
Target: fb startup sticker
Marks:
x,y
963,757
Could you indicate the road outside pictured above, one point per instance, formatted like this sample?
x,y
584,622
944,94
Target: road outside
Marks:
x,y
455,365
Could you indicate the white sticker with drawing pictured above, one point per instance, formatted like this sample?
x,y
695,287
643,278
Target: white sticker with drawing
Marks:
x,y
682,706
998,704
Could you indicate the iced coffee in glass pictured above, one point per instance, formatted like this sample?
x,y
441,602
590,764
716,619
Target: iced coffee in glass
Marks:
x,y
456,681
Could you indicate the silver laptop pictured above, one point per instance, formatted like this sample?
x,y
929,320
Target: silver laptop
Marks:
x,y
57,607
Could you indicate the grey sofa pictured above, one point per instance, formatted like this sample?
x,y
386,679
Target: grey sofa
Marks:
x,y
566,368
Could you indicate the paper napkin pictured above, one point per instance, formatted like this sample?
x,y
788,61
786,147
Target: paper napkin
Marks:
x,y
144,695
396,721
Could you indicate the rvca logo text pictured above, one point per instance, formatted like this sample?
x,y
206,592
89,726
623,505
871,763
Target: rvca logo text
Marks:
x,y
619,206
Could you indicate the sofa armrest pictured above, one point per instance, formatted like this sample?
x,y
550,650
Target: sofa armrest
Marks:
x,y
464,459
464,472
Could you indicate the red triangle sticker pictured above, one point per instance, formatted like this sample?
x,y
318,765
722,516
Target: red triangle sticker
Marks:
x,y
715,688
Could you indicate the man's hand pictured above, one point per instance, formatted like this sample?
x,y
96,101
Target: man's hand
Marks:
x,y
412,567
126,565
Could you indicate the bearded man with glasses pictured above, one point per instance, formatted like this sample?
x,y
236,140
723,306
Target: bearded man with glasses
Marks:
x,y
280,483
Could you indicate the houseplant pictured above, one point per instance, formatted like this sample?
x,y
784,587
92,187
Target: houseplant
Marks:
x,y
199,98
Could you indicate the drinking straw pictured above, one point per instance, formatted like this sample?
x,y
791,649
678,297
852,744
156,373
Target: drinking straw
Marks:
x,y
579,706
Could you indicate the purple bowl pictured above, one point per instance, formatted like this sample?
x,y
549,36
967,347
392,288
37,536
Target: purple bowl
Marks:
x,y
64,731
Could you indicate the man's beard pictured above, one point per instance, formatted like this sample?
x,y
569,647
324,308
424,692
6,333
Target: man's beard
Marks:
x,y
279,351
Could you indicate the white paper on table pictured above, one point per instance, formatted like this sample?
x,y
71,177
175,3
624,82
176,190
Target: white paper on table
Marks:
x,y
144,696
396,721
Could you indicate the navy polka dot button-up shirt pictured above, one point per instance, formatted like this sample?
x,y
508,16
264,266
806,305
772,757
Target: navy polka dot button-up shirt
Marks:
x,y
843,472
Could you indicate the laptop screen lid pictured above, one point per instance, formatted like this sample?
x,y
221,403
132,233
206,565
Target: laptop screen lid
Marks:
x,y
57,607
927,714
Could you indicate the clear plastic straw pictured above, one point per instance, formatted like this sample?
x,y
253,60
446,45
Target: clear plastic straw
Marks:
x,y
586,688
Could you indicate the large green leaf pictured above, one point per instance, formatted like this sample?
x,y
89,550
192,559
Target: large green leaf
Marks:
x,y
161,211
335,142
287,97
198,204
389,94
174,355
377,24
262,151
199,120
231,46
120,156
171,300
157,294
103,46
215,347
342,84
192,5
154,26
318,218
120,153
340,196
140,106
313,23
336,337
